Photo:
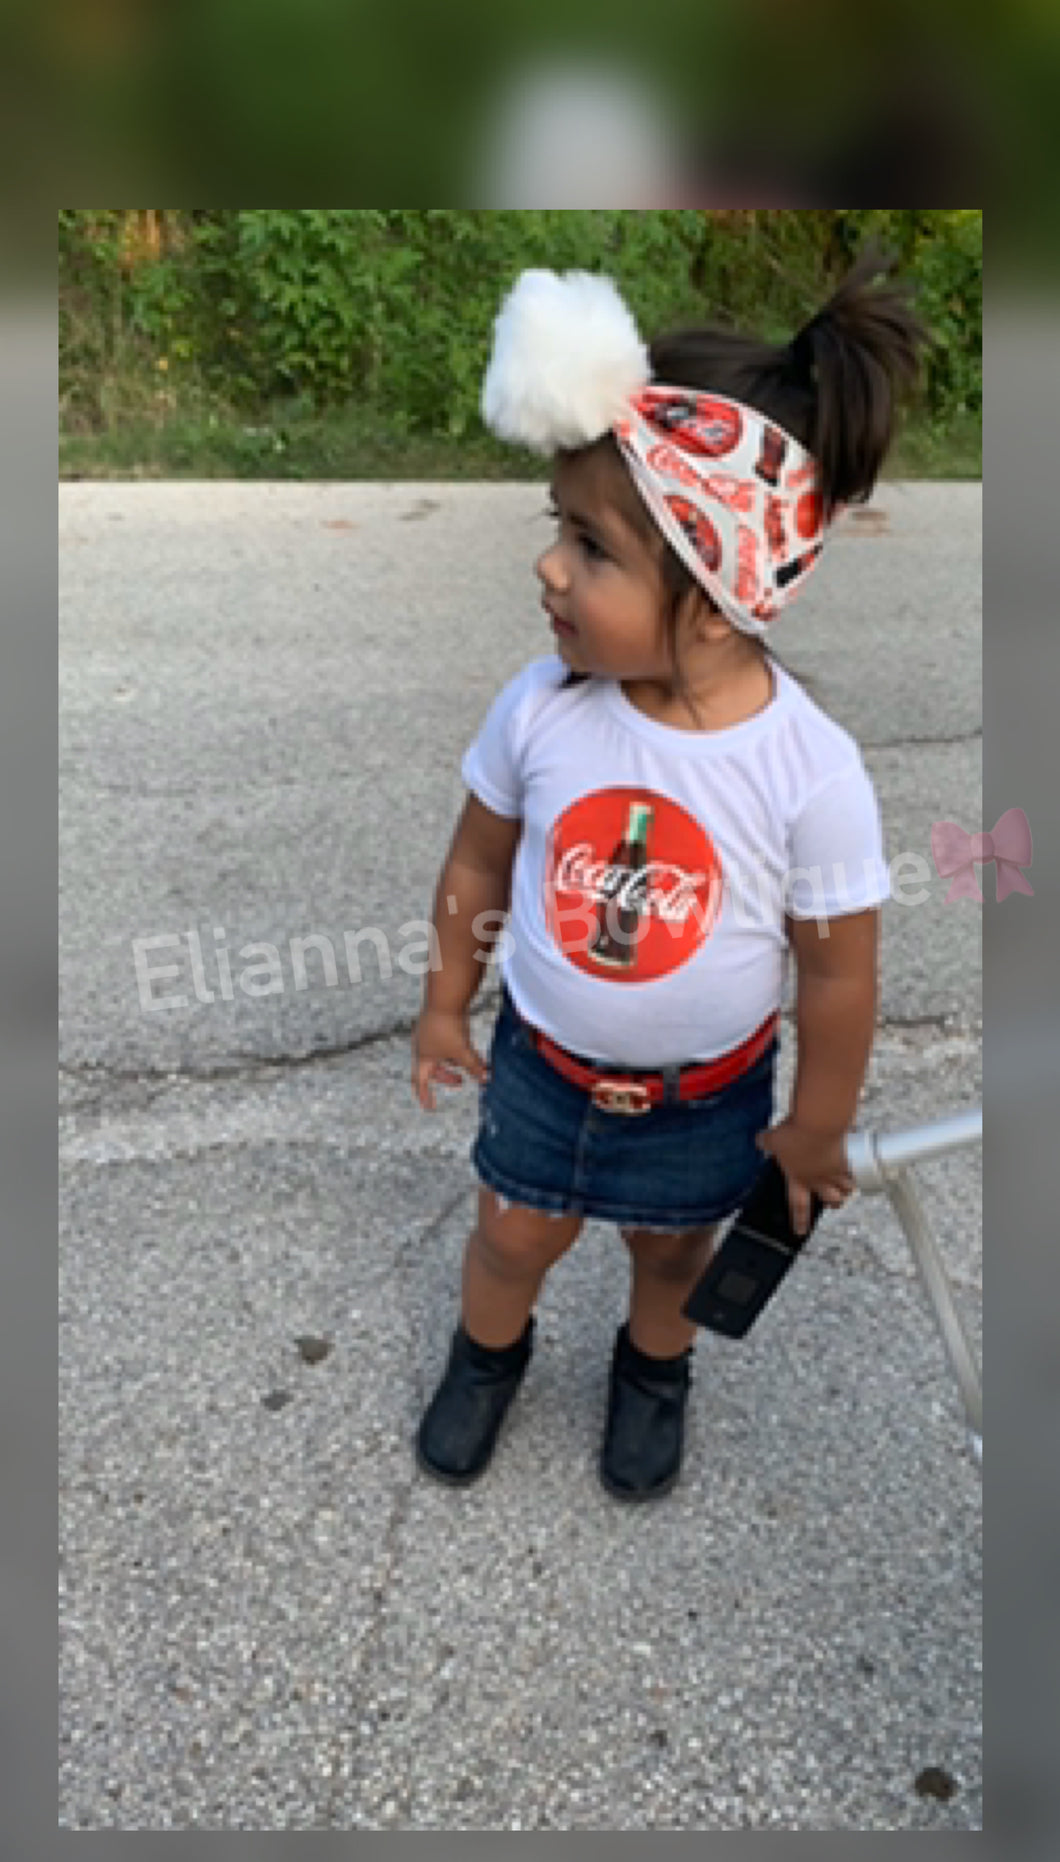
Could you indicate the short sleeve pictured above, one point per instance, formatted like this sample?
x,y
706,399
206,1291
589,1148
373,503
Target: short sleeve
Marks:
x,y
492,765
837,860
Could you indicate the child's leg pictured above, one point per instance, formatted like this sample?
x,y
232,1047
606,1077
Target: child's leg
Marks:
x,y
508,1254
665,1268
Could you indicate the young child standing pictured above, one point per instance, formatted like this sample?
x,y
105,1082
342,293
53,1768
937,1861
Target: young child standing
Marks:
x,y
665,814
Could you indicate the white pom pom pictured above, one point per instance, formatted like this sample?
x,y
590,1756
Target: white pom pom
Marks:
x,y
566,357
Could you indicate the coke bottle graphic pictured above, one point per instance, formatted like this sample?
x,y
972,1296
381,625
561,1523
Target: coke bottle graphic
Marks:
x,y
771,457
774,527
617,950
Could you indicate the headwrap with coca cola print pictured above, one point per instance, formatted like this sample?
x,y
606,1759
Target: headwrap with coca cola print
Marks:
x,y
733,494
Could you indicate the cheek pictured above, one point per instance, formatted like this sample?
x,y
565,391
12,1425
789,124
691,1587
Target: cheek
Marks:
x,y
594,617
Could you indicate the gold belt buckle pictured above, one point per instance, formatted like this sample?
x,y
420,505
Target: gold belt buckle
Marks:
x,y
621,1096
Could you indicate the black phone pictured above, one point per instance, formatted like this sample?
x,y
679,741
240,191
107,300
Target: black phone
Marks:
x,y
752,1259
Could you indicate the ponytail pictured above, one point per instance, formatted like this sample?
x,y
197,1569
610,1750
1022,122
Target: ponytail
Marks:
x,y
834,387
856,353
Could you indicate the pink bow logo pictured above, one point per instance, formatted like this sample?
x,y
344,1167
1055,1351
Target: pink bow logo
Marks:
x,y
955,853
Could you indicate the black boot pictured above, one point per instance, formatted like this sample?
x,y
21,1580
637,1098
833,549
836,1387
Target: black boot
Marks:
x,y
460,1425
644,1433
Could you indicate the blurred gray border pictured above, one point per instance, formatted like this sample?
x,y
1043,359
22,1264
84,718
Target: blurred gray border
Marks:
x,y
28,1088
1022,1071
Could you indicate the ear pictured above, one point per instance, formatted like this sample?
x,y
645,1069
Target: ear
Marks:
x,y
707,621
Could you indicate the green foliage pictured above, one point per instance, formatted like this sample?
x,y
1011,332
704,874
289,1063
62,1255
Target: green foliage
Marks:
x,y
949,272
941,248
389,310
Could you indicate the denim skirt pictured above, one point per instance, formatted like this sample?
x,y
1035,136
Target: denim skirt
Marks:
x,y
541,1141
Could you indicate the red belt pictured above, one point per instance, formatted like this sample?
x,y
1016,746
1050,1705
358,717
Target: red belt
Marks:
x,y
623,1093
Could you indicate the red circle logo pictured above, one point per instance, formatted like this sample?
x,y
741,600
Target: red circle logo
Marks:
x,y
697,422
633,885
716,428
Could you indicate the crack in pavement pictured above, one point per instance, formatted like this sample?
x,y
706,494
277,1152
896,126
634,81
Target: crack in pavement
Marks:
x,y
240,1065
953,1022
908,1274
103,1153
928,743
369,1642
249,1065
145,1086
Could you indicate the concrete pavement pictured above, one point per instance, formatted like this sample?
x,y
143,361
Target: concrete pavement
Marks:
x,y
270,1619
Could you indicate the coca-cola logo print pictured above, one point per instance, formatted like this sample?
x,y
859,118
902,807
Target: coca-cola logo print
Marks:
x,y
702,424
723,486
666,458
746,565
632,885
730,491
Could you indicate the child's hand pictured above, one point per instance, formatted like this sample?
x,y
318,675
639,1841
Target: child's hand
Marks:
x,y
811,1161
441,1047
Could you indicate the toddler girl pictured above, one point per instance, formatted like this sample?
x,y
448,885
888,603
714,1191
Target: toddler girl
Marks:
x,y
665,814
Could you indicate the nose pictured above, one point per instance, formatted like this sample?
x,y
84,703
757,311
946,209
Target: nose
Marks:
x,y
552,568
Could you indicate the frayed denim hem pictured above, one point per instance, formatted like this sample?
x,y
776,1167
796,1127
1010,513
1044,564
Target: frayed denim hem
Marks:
x,y
623,1215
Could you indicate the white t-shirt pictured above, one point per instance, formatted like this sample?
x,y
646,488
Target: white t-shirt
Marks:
x,y
655,865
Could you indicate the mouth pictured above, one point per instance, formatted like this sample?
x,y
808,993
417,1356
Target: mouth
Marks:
x,y
558,626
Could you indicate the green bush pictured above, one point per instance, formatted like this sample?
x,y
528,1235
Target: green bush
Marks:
x,y
391,309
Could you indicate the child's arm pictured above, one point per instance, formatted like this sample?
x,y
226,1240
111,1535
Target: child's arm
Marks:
x,y
470,902
836,985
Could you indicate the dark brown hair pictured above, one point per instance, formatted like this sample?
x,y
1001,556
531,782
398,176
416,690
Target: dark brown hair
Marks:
x,y
834,387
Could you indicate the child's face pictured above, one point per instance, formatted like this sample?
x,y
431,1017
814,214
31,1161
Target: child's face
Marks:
x,y
601,583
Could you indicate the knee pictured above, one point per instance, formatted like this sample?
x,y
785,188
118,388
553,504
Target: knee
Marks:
x,y
670,1256
515,1242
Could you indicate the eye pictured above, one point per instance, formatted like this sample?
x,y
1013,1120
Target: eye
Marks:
x,y
587,543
